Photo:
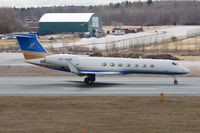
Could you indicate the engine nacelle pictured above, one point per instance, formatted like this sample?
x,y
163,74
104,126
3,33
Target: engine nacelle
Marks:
x,y
60,59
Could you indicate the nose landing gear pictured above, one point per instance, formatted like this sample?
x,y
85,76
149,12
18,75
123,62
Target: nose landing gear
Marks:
x,y
175,81
90,79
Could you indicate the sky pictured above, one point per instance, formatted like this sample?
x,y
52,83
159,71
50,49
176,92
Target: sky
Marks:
x,y
40,3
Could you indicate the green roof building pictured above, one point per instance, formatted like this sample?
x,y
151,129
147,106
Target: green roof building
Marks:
x,y
52,23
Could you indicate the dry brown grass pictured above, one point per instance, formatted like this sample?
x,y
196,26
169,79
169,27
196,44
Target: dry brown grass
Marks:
x,y
99,114
8,43
105,28
189,58
186,44
44,40
146,28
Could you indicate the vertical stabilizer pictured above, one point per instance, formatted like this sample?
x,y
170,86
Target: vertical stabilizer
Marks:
x,y
30,46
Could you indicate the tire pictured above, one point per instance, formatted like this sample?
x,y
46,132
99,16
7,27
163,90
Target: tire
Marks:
x,y
90,82
86,80
175,82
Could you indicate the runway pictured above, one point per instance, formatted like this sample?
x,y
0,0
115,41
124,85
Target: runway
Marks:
x,y
104,86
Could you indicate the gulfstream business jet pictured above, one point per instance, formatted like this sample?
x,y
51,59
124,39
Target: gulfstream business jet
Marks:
x,y
90,67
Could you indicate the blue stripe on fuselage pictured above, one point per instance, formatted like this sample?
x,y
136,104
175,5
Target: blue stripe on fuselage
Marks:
x,y
121,72
60,69
134,72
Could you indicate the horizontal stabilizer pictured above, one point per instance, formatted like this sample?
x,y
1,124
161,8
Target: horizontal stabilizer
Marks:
x,y
22,35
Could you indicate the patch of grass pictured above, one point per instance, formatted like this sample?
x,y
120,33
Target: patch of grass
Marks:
x,y
99,114
105,28
186,44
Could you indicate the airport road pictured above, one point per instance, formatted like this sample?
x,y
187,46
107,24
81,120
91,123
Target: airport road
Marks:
x,y
104,86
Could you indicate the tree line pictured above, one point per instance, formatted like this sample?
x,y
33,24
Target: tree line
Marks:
x,y
9,21
147,13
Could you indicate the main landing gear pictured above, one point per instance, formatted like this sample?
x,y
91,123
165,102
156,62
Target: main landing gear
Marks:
x,y
90,79
175,81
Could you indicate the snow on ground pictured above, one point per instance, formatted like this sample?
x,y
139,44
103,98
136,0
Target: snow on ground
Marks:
x,y
148,37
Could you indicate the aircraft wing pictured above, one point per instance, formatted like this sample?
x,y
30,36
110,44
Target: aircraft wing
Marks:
x,y
100,73
72,68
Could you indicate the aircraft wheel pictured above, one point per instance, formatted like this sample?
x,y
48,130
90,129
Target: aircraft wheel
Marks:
x,y
175,82
86,80
90,82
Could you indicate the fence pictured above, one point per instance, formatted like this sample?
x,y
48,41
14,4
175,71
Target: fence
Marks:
x,y
136,44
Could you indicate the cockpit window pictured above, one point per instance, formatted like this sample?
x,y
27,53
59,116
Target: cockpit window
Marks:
x,y
152,66
174,63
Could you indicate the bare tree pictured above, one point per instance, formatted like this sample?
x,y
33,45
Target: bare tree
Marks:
x,y
126,13
8,21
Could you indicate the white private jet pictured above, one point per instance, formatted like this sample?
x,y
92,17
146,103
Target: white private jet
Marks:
x,y
90,67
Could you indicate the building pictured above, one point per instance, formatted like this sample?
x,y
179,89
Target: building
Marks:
x,y
52,23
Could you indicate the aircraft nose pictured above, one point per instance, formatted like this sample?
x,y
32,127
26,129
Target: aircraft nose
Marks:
x,y
185,70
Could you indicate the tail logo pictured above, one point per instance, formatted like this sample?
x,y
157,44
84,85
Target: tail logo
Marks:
x,y
31,45
29,42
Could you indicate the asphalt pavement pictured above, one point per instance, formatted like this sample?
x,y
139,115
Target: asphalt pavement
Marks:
x,y
104,86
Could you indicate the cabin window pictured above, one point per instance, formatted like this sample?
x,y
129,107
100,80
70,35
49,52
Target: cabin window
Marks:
x,y
128,65
120,64
112,64
136,65
104,64
152,66
174,63
144,65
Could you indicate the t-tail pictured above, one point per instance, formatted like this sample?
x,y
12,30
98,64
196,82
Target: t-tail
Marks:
x,y
30,46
